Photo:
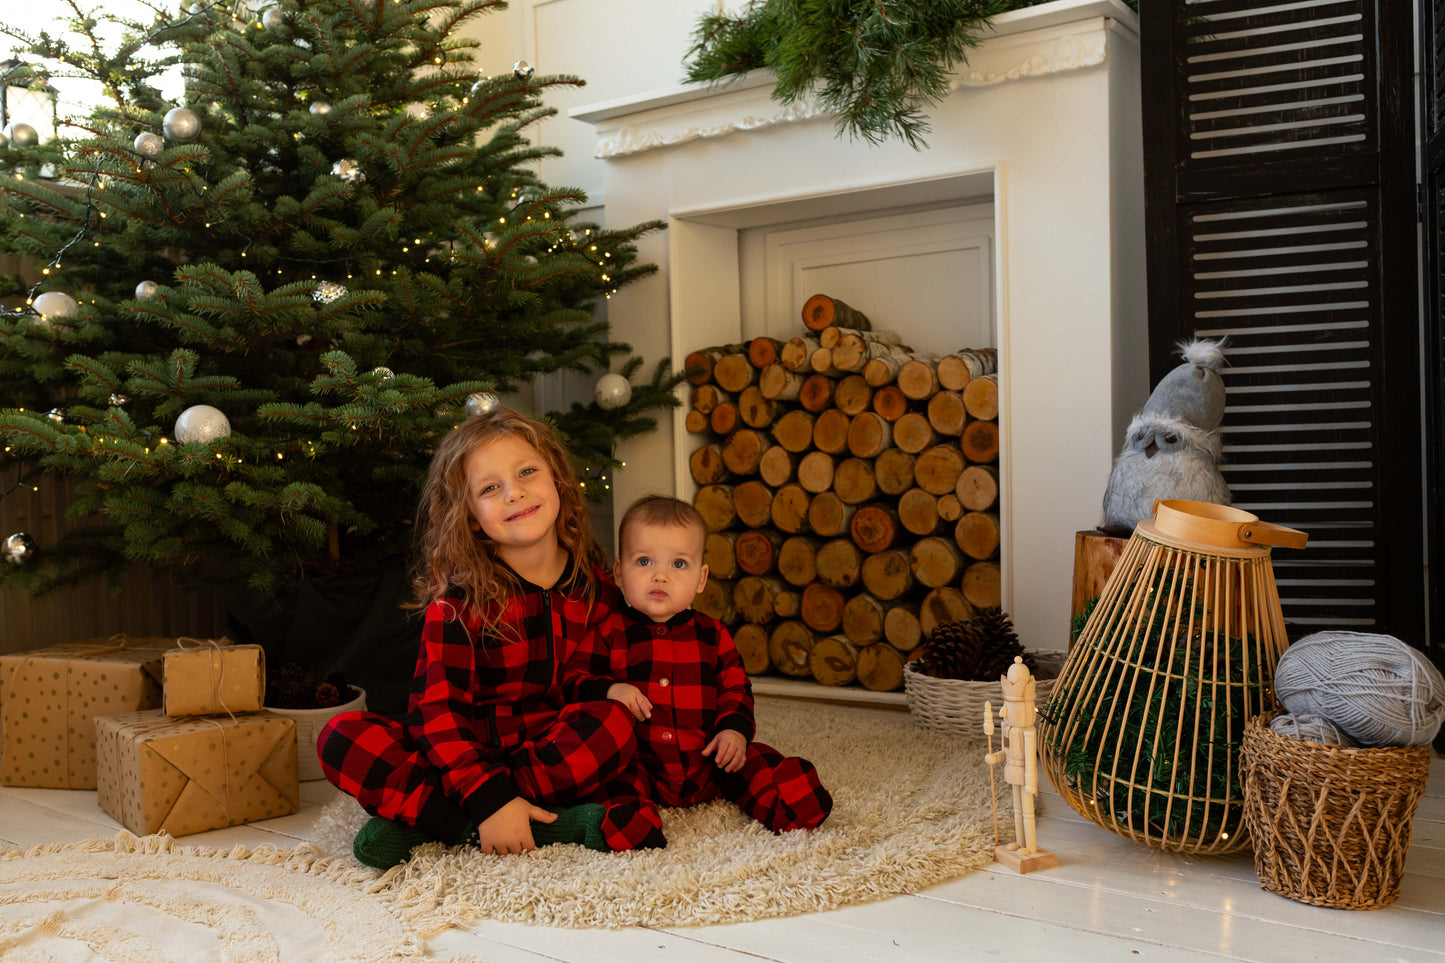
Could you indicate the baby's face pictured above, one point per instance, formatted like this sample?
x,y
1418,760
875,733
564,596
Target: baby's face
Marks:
x,y
660,568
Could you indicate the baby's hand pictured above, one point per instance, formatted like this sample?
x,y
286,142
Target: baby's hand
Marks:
x,y
731,748
509,829
632,698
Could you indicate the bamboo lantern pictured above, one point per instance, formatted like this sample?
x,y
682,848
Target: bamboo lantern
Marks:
x,y
1143,729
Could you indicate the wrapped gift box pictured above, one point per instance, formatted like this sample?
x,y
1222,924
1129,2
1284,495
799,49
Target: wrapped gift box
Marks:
x,y
183,776
207,677
49,697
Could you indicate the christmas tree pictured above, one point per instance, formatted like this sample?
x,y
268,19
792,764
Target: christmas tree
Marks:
x,y
256,306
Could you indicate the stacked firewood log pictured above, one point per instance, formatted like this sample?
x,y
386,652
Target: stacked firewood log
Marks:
x,y
850,494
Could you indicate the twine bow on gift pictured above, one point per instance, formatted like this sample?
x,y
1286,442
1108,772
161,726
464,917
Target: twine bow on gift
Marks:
x,y
217,668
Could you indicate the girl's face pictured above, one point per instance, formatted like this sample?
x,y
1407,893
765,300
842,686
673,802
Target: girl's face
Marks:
x,y
511,494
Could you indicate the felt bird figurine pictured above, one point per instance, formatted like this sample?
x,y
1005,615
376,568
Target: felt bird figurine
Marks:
x,y
1172,447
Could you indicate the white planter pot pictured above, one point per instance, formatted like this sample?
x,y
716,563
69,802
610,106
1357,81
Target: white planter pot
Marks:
x,y
308,728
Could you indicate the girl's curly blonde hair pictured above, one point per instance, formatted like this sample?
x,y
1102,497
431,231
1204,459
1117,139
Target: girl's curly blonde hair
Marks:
x,y
451,555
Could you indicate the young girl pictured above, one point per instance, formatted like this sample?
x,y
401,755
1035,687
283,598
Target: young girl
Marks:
x,y
511,579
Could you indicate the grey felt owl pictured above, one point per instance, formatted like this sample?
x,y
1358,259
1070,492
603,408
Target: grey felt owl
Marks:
x,y
1172,447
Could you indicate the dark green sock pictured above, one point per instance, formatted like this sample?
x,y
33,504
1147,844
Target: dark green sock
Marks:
x,y
575,824
383,843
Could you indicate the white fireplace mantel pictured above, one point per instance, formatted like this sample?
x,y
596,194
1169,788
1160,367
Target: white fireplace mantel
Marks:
x,y
1044,124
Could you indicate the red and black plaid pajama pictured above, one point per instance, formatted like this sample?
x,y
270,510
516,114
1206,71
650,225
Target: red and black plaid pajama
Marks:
x,y
488,719
689,670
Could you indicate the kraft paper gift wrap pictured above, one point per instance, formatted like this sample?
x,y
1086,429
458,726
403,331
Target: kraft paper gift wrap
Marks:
x,y
49,697
183,776
205,678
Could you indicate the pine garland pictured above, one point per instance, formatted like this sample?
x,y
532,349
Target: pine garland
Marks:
x,y
877,65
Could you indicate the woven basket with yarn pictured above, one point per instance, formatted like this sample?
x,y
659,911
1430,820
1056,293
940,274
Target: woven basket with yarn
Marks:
x,y
956,705
1330,825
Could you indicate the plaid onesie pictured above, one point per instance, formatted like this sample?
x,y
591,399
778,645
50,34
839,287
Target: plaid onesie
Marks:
x,y
694,678
487,719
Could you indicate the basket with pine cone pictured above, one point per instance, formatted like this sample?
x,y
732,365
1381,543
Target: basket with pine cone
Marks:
x,y
958,670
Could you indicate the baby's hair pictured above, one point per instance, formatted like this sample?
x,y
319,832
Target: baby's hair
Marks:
x,y
659,510
451,555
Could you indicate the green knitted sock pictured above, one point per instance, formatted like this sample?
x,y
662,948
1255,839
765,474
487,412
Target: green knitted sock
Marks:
x,y
383,843
575,824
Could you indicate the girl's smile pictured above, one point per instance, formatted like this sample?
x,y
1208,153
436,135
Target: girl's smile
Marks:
x,y
511,495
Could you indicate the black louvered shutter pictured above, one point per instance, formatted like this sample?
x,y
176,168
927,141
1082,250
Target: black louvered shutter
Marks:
x,y
1432,135
1281,213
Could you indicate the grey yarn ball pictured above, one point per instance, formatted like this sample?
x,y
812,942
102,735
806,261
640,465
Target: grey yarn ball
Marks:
x,y
1313,728
1374,687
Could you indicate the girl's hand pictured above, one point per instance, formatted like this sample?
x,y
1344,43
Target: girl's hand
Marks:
x,y
632,698
731,748
509,829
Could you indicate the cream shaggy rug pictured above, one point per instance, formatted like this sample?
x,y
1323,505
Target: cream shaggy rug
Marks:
x,y
150,900
911,809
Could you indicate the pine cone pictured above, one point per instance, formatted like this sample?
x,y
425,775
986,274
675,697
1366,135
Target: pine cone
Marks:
x,y
327,695
951,652
998,643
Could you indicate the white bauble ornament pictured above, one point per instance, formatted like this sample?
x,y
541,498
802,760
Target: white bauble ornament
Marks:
x,y
202,423
19,548
383,372
181,125
146,290
481,402
22,135
274,19
149,144
349,170
523,70
320,108
55,306
612,391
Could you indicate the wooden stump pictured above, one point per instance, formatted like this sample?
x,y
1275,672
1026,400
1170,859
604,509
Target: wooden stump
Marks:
x,y
716,599
715,504
953,373
880,668
763,351
983,585
887,575
852,395
757,551
935,561
913,433
839,563
946,414
788,647
820,311
724,419
706,465
977,487
979,441
853,481
756,410
890,403
720,555
817,392
733,373
918,511
753,598
918,379
830,431
938,469
778,383
787,604
790,509
875,528
828,516
777,466
833,660
977,535
796,351
707,397
751,641
941,605
798,560
981,397
752,503
893,471
742,451
822,608
868,435
901,626
794,431
863,617
949,508
696,422
1095,555
815,471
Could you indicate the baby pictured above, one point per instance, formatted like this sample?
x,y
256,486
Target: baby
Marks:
x,y
678,673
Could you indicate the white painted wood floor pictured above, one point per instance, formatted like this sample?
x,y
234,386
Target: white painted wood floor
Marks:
x,y
1109,899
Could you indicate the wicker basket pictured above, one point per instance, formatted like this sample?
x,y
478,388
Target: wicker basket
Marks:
x,y
1330,825
956,705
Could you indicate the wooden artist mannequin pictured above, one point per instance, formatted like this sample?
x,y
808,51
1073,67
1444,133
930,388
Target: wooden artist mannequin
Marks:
x,y
1019,754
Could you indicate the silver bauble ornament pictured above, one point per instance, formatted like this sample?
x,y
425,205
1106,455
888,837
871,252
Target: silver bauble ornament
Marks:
x,y
349,170
481,402
523,70
383,372
181,125
274,19
117,399
202,423
19,548
320,108
149,144
146,290
328,291
612,391
55,306
22,135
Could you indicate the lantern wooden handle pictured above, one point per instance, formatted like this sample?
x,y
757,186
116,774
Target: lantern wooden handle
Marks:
x,y
1266,533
